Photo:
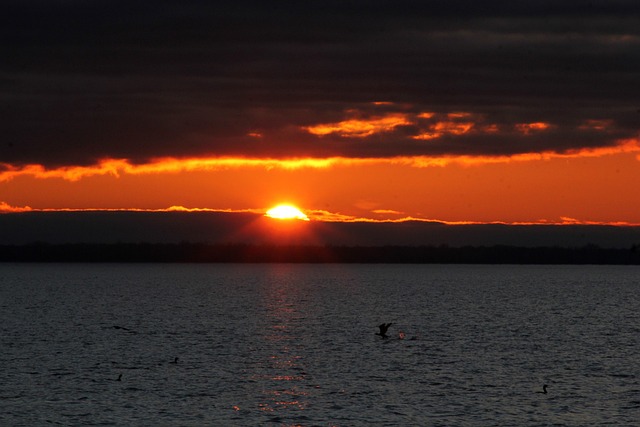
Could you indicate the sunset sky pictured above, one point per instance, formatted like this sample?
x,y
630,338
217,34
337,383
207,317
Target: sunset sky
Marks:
x,y
460,111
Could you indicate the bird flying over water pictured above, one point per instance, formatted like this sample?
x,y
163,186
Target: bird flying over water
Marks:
x,y
383,329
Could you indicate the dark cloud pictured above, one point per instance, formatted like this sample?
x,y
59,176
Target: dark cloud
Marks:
x,y
138,79
220,228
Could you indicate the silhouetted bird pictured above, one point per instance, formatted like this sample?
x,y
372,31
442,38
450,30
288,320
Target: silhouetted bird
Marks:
x,y
119,378
544,390
383,329
175,361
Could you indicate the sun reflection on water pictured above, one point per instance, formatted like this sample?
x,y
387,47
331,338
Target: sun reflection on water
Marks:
x,y
282,378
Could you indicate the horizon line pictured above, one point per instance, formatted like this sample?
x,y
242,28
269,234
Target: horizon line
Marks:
x,y
318,215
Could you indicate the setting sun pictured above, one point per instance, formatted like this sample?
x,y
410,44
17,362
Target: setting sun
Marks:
x,y
286,212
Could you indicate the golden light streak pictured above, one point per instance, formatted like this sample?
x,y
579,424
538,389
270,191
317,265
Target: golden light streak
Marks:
x,y
573,221
360,128
386,211
326,216
459,115
118,167
6,208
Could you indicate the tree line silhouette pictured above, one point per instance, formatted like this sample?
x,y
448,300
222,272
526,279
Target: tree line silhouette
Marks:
x,y
246,253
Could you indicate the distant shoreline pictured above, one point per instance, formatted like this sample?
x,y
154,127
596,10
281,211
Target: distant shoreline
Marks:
x,y
247,253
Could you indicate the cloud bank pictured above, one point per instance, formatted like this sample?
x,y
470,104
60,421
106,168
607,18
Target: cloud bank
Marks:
x,y
252,228
83,81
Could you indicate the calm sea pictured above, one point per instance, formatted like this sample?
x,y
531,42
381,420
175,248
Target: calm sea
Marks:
x,y
296,345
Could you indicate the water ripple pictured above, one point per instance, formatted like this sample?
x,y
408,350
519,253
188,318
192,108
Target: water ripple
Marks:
x,y
294,345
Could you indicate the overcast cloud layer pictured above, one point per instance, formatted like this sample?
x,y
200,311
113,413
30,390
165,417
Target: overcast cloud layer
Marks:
x,y
84,80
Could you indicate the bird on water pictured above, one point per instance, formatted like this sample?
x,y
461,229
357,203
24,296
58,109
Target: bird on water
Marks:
x,y
544,390
175,361
383,329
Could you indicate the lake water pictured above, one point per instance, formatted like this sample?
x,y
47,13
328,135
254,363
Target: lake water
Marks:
x,y
296,345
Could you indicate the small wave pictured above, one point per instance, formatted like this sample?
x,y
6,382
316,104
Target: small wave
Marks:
x,y
623,375
17,396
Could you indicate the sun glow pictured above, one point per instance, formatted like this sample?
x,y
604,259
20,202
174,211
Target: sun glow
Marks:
x,y
286,212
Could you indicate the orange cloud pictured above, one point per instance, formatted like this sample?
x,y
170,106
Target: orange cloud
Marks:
x,y
118,167
70,173
6,208
327,216
452,125
593,124
459,115
185,209
441,124
528,128
386,211
360,128
440,129
623,147
564,220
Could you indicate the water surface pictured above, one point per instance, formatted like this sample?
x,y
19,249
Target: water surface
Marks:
x,y
295,345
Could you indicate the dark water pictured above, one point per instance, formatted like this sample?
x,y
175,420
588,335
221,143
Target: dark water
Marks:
x,y
295,345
